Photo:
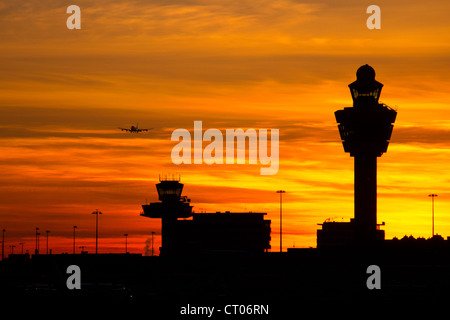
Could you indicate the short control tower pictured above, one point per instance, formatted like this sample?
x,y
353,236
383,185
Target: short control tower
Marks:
x,y
171,207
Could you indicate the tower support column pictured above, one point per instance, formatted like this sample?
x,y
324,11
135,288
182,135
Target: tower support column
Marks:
x,y
366,195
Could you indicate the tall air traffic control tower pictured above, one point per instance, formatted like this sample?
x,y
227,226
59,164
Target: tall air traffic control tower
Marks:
x,y
365,130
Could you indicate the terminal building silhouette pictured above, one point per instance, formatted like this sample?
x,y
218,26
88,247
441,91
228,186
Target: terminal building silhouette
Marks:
x,y
365,131
205,232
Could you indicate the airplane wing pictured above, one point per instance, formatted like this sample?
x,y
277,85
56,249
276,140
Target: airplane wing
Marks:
x,y
139,130
124,129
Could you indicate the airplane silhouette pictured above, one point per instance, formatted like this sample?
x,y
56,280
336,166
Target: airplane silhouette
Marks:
x,y
135,129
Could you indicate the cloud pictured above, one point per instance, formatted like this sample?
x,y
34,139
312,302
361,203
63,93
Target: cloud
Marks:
x,y
422,135
143,20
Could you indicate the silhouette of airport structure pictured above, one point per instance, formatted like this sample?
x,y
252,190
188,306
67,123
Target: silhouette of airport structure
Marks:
x,y
205,232
365,131
210,258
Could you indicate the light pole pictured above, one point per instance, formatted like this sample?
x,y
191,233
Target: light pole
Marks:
x,y
126,243
47,231
37,241
3,244
74,227
21,243
96,212
432,212
153,232
281,218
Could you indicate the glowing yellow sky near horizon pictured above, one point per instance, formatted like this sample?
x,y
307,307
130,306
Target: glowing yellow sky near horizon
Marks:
x,y
232,64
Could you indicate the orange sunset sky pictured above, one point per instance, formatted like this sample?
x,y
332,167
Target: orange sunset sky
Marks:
x,y
263,64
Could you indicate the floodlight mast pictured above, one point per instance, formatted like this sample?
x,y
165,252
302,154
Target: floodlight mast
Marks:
x,y
433,195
